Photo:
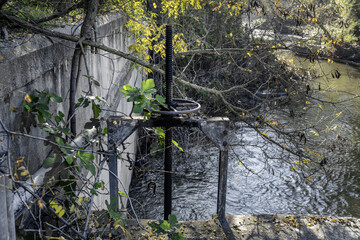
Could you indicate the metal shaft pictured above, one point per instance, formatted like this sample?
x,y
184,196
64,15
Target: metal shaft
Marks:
x,y
168,131
168,177
168,65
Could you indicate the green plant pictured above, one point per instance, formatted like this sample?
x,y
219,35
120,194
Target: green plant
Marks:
x,y
168,227
143,98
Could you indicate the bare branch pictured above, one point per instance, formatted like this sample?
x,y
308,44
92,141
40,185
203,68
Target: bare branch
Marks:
x,y
60,14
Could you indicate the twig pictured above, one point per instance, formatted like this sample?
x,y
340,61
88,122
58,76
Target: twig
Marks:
x,y
92,199
130,202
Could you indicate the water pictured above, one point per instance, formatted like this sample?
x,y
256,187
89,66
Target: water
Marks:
x,y
264,182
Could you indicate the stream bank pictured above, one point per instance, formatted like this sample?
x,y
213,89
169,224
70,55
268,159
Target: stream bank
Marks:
x,y
259,227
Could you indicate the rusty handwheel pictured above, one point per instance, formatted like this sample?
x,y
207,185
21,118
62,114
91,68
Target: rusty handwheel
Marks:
x,y
180,106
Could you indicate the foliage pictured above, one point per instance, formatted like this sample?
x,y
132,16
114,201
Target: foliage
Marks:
x,y
168,227
142,97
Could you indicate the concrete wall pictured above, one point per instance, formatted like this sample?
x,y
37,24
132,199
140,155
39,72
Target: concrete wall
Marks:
x,y
37,62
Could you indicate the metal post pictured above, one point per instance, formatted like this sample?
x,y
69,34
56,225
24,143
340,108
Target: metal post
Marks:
x,y
113,182
222,182
168,131
168,64
168,177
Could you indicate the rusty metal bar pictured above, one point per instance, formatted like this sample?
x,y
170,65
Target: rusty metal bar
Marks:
x,y
222,183
113,182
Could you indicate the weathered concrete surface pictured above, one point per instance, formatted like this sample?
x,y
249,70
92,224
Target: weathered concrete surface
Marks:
x,y
281,226
30,62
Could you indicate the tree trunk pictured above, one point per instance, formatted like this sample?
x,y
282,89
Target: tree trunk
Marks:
x,y
91,9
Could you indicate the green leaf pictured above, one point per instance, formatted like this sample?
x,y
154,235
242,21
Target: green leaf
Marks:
x,y
147,84
49,161
42,106
172,220
92,191
161,100
58,120
138,108
96,109
60,141
165,225
69,159
176,145
49,130
91,168
61,114
55,97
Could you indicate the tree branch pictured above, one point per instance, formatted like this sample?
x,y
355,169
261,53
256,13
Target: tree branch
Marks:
x,y
59,14
127,56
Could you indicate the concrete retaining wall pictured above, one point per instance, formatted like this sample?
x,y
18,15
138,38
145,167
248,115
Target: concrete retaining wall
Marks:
x,y
32,62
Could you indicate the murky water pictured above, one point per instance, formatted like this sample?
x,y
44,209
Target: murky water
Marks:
x,y
264,183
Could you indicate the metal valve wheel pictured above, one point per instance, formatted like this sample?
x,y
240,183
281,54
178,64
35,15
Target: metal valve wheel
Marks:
x,y
180,106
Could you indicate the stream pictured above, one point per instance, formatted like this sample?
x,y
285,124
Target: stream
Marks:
x,y
259,182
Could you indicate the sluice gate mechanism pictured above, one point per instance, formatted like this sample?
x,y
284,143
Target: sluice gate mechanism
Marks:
x,y
216,129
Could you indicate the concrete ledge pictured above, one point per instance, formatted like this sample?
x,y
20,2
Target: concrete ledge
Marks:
x,y
281,226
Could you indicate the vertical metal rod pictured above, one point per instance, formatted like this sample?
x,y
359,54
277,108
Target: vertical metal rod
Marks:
x,y
112,179
168,177
168,64
168,131
222,182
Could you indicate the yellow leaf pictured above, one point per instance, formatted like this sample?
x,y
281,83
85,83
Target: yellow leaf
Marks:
x,y
72,208
264,134
314,133
320,107
230,34
291,60
279,44
58,208
155,5
275,103
24,173
80,199
307,102
40,204
249,53
61,213
52,204
27,98
1,58
19,159
117,224
239,163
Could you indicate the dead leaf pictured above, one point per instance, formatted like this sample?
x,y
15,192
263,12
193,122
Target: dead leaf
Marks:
x,y
13,108
1,58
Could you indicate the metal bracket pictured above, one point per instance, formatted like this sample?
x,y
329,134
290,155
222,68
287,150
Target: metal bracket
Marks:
x,y
216,129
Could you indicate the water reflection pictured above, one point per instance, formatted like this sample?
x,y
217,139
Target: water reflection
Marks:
x,y
263,183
